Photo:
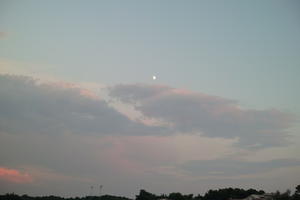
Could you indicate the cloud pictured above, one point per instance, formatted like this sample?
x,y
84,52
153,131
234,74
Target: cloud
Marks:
x,y
212,116
62,132
14,176
154,151
228,168
28,105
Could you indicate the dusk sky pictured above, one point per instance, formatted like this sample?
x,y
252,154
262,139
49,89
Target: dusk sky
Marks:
x,y
79,106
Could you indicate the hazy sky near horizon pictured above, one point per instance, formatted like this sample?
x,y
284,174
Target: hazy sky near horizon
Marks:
x,y
79,107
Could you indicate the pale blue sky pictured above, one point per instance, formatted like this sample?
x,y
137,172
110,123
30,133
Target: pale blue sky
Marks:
x,y
246,51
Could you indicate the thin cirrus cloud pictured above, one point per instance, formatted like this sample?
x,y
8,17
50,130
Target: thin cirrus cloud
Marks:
x,y
212,116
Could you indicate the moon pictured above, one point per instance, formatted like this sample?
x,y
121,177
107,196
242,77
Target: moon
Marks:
x,y
154,77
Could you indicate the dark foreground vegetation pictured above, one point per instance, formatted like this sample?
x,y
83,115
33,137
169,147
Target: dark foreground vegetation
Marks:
x,y
221,194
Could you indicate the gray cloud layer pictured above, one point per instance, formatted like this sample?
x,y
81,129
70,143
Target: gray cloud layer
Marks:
x,y
26,107
58,134
229,167
213,116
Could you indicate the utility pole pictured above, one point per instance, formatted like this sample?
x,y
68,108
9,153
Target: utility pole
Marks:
x,y
91,191
100,190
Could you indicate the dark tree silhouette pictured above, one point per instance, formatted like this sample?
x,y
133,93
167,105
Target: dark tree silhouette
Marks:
x,y
220,194
144,195
296,195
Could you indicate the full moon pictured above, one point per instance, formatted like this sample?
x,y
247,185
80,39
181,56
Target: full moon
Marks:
x,y
153,77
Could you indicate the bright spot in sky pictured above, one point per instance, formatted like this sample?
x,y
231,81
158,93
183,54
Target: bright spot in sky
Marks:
x,y
153,77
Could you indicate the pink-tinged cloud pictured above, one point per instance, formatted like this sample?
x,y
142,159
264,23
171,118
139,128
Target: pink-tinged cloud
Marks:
x,y
14,176
138,154
71,86
55,108
198,113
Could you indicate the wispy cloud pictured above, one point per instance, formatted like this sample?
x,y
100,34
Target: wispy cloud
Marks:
x,y
28,105
212,116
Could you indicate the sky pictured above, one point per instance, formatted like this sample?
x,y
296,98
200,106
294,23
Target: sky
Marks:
x,y
79,106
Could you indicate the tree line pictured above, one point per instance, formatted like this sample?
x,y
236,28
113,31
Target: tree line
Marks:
x,y
220,194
